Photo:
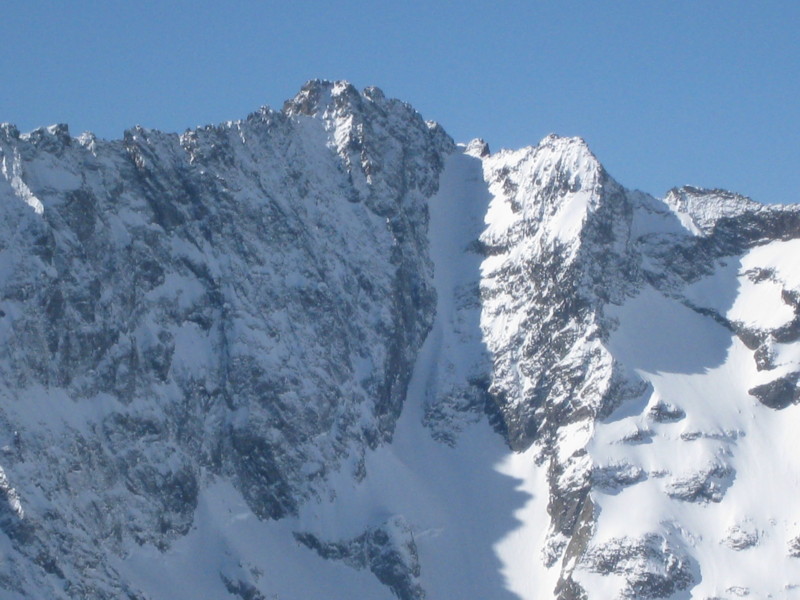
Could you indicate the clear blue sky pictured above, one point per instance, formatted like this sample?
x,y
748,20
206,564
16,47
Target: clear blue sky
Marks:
x,y
665,92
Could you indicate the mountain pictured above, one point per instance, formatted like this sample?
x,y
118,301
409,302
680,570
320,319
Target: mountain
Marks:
x,y
327,353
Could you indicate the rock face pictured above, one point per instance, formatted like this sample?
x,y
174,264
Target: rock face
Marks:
x,y
244,300
388,550
326,348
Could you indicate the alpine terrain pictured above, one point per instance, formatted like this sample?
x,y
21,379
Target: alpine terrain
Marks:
x,y
326,353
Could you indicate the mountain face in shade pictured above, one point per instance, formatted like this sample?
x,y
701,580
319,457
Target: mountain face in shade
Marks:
x,y
327,353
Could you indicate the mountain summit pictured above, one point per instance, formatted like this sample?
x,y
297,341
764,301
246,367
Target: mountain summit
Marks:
x,y
326,352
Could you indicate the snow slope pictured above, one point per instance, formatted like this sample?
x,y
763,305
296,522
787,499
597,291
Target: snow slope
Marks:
x,y
453,502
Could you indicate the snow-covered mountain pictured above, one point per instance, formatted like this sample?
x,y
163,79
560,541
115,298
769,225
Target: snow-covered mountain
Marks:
x,y
326,353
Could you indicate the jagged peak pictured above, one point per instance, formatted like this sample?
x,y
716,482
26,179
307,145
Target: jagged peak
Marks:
x,y
59,131
553,140
318,95
139,135
374,93
554,167
478,148
566,163
704,207
9,131
550,190
689,194
567,154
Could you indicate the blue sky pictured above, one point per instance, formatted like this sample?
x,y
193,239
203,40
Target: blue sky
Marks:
x,y
666,93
